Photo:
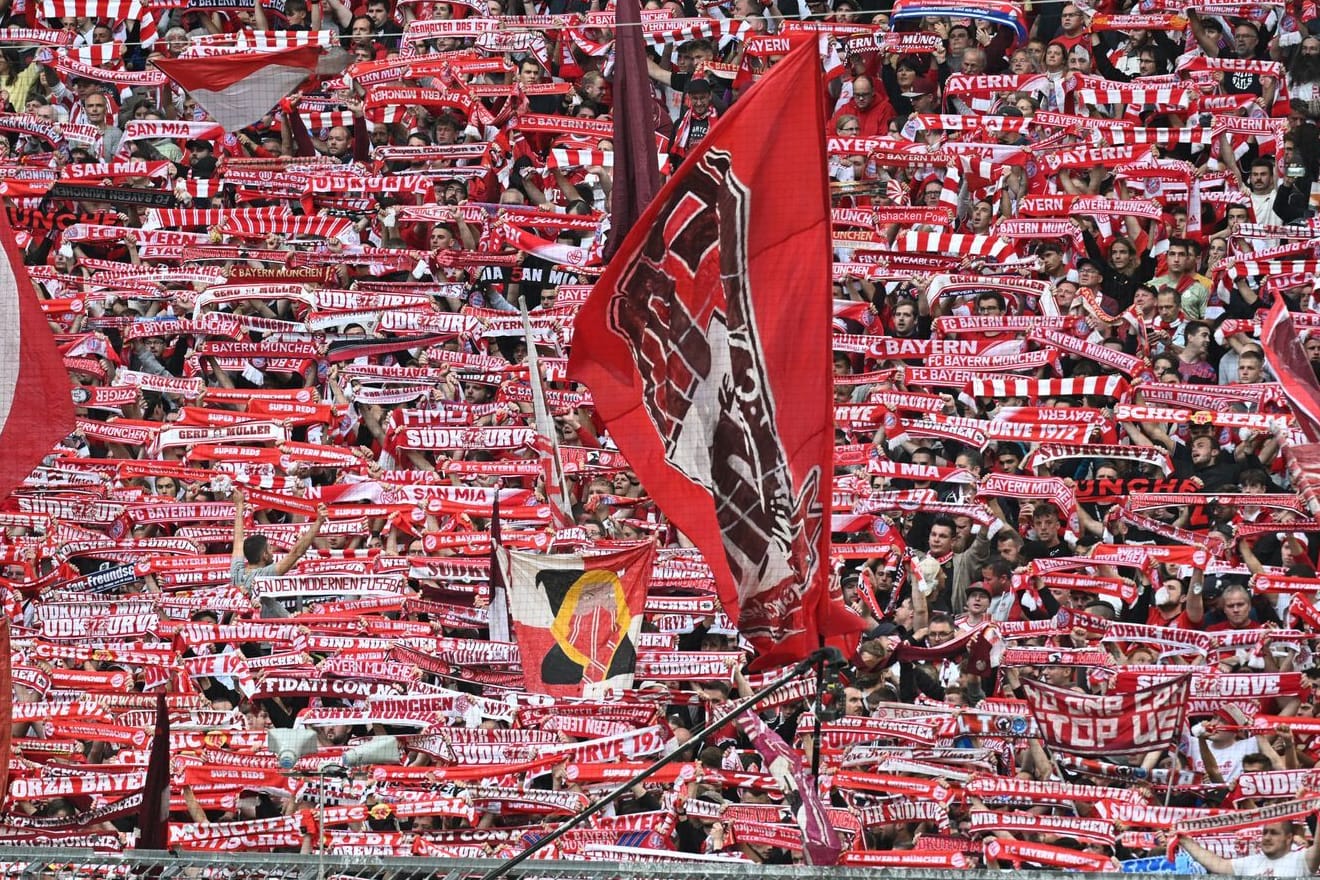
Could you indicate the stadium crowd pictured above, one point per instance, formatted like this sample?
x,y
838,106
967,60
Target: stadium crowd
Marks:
x,y
1065,473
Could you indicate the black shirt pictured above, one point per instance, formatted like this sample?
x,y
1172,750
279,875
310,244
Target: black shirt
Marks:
x,y
1037,550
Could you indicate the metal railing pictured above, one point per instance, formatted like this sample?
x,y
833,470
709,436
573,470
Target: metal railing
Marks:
x,y
77,864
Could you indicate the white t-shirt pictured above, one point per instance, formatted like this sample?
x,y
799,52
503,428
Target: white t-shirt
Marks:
x,y
1257,865
1229,758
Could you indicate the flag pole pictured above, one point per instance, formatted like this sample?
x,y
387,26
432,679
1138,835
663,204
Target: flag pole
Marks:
x,y
816,709
556,488
815,658
1173,766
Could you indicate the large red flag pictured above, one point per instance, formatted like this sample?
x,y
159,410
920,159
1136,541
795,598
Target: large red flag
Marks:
x,y
1288,362
36,410
706,346
236,90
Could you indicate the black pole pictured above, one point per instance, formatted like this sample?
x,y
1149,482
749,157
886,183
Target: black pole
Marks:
x,y
816,658
815,722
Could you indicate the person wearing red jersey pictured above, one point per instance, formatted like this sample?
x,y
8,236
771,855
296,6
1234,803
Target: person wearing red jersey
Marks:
x,y
1177,605
872,108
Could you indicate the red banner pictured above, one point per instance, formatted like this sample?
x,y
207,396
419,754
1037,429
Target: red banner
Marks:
x,y
1100,725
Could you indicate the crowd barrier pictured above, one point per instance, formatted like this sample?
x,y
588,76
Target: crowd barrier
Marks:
x,y
36,863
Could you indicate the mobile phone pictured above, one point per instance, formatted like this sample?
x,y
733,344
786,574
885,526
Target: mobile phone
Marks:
x,y
1295,171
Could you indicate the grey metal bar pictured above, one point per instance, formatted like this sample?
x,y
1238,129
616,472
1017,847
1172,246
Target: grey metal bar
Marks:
x,y
78,864
818,659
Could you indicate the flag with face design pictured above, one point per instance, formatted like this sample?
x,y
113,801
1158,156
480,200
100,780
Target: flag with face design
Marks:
x,y
576,618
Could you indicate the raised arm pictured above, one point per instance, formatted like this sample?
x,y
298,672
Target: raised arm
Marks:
x,y
1212,862
1210,47
920,609
657,72
1249,558
1195,596
1313,854
290,559
1207,756
238,525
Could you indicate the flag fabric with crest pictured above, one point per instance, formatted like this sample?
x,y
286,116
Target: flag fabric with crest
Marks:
x,y
706,346
576,618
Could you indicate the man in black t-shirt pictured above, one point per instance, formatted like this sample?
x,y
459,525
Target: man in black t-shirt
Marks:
x,y
1248,43
1049,542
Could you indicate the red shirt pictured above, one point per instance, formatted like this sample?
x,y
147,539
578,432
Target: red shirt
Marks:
x,y
1224,626
1069,43
874,119
1155,617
